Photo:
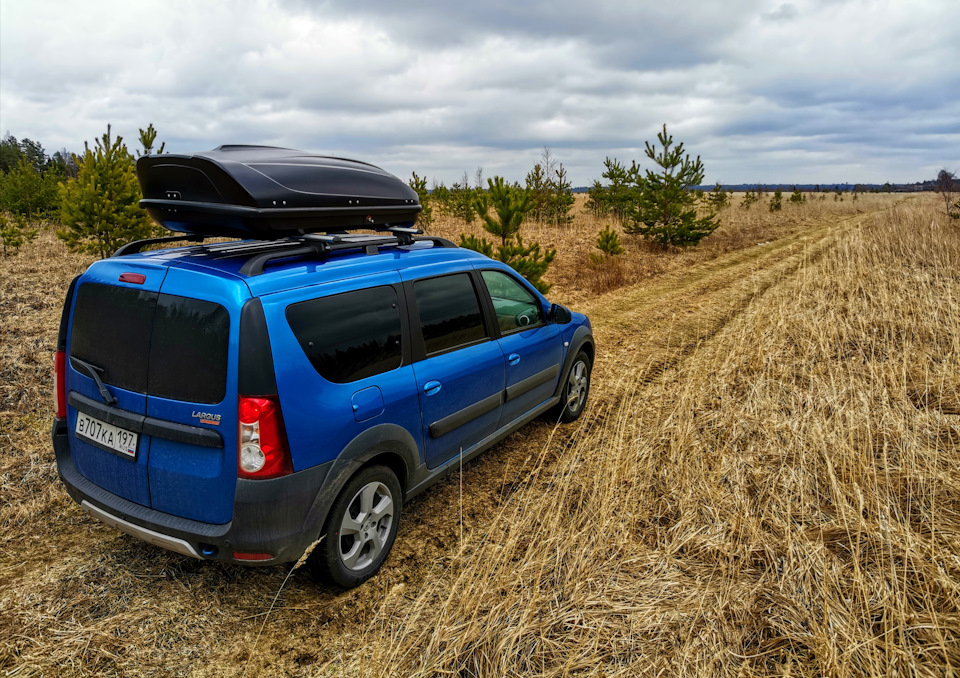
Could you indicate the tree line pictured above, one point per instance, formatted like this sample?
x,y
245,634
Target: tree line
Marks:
x,y
95,197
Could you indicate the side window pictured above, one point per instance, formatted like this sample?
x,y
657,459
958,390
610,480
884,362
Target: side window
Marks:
x,y
449,312
516,308
349,336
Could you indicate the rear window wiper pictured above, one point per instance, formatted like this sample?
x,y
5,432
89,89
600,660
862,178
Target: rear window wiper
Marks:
x,y
94,372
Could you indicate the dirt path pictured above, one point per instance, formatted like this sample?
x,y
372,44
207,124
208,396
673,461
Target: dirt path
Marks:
x,y
101,602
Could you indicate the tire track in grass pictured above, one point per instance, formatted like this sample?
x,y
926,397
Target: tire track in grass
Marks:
x,y
641,332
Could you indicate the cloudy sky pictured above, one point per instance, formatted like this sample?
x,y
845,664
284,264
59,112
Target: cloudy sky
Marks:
x,y
817,91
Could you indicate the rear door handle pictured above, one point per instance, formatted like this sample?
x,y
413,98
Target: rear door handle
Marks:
x,y
513,358
432,387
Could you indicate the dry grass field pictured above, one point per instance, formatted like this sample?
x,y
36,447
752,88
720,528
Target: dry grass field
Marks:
x,y
765,482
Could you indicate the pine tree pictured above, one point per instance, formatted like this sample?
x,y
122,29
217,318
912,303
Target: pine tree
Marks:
x,y
419,184
622,192
148,137
100,208
667,210
538,188
561,200
776,202
528,260
797,197
461,200
510,205
718,197
749,197
10,153
608,242
442,198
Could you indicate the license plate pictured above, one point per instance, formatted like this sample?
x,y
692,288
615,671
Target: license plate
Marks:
x,y
111,437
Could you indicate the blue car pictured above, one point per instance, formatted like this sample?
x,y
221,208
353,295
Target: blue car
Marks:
x,y
238,401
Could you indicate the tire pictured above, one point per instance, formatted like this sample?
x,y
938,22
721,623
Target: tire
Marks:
x,y
576,388
360,529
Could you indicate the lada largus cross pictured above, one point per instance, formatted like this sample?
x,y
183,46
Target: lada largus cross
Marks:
x,y
239,400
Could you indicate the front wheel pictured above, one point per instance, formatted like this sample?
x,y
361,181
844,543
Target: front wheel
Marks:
x,y
360,529
575,389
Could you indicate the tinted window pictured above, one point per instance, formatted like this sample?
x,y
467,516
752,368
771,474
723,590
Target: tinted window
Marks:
x,y
515,306
449,312
111,329
349,336
188,356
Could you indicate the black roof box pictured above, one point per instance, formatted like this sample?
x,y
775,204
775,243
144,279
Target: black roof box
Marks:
x,y
267,193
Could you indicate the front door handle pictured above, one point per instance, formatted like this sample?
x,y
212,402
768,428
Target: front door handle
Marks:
x,y
513,358
432,387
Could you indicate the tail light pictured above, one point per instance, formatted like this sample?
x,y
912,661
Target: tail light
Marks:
x,y
262,450
60,384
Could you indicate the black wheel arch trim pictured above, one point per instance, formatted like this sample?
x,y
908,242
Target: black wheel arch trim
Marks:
x,y
377,441
581,337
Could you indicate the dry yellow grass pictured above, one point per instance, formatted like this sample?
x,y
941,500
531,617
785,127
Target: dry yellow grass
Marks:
x,y
784,500
765,483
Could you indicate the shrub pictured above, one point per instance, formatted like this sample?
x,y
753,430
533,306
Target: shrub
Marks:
x,y
14,233
26,191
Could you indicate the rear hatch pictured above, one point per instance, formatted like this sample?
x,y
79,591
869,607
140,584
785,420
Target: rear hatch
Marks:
x,y
164,355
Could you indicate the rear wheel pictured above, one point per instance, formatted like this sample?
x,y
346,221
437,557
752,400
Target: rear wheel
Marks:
x,y
360,529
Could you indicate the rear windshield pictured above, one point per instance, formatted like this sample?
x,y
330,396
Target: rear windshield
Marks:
x,y
111,330
162,344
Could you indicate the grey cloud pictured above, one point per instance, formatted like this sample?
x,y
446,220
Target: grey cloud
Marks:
x,y
441,88
784,12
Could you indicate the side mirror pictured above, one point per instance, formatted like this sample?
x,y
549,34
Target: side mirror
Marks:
x,y
559,314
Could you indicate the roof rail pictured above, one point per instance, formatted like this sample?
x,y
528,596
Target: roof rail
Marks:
x,y
138,245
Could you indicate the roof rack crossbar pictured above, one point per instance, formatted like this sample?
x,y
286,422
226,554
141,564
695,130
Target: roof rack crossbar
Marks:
x,y
322,245
261,252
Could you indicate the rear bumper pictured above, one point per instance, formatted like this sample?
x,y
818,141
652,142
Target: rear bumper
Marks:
x,y
276,517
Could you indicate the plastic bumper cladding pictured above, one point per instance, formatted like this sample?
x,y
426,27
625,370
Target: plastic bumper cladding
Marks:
x,y
269,516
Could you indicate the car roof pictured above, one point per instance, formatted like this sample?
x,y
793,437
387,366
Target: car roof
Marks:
x,y
295,272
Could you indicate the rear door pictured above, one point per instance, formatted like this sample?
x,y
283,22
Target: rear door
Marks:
x,y
459,366
342,363
109,335
192,467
